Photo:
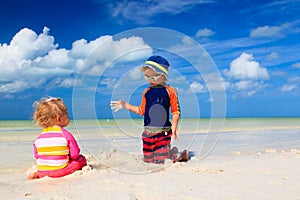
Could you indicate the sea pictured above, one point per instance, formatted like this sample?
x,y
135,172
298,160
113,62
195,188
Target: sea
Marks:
x,y
203,137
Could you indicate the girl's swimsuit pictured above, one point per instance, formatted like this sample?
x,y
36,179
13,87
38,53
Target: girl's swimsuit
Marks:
x,y
57,153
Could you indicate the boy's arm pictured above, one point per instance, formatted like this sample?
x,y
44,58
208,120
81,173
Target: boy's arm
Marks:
x,y
136,109
175,109
175,119
130,107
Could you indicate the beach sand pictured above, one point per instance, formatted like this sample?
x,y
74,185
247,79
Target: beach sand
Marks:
x,y
265,175
248,164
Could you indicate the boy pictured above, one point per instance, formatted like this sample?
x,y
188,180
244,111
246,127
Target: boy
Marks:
x,y
156,102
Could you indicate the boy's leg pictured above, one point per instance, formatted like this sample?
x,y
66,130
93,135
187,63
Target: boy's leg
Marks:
x,y
162,147
148,146
173,154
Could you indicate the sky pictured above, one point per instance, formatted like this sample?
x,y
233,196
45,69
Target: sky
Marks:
x,y
227,58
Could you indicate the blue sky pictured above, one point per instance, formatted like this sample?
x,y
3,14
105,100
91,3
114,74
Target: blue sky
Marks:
x,y
94,48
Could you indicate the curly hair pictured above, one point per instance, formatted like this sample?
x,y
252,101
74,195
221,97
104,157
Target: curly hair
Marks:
x,y
47,109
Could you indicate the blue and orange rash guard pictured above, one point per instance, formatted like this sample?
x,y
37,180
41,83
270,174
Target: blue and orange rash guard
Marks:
x,y
155,106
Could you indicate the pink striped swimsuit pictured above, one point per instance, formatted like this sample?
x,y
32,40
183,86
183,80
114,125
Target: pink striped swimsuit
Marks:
x,y
53,149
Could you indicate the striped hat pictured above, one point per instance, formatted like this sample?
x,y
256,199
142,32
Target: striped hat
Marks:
x,y
159,64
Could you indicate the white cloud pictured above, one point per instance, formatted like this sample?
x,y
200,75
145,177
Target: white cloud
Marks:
x,y
245,67
296,65
82,48
248,87
134,47
8,96
272,56
93,56
292,84
205,32
242,85
26,44
142,11
31,60
288,88
247,75
55,58
135,74
69,82
109,82
215,82
16,59
16,86
270,31
187,40
295,79
196,87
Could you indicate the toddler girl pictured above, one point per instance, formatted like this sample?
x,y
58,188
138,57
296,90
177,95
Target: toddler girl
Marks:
x,y
55,149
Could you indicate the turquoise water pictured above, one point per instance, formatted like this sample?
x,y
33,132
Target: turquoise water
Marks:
x,y
186,125
203,137
27,130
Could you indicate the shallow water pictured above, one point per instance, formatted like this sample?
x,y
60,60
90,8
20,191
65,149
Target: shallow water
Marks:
x,y
203,137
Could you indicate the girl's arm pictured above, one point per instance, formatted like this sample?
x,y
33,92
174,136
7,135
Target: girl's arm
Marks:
x,y
35,151
73,146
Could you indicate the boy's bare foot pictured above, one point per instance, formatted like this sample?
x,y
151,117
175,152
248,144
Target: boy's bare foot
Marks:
x,y
184,156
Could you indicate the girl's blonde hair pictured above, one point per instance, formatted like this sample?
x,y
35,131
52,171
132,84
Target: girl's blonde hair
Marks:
x,y
47,109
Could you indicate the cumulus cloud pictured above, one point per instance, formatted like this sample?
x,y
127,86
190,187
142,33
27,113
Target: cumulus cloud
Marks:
x,y
55,58
90,55
215,82
245,67
248,87
15,86
16,59
247,75
135,74
270,31
196,87
205,32
32,60
27,44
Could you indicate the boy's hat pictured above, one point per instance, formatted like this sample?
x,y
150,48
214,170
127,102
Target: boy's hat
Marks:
x,y
158,63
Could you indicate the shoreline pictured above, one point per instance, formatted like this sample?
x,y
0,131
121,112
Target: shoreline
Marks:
x,y
244,164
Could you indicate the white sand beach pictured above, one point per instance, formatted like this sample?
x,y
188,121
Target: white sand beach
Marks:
x,y
244,164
